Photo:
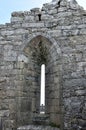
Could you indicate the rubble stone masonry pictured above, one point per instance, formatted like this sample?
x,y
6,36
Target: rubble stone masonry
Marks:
x,y
59,27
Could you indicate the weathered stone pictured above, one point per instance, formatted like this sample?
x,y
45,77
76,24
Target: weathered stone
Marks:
x,y
80,92
56,33
33,127
4,113
7,32
29,18
33,25
55,36
20,13
22,58
10,55
20,31
51,12
16,19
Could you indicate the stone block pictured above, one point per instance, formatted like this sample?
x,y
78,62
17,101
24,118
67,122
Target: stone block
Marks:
x,y
74,83
7,32
34,25
47,17
10,93
15,39
80,92
20,65
22,58
82,31
78,56
39,127
53,11
62,9
17,19
55,33
29,18
64,14
9,67
10,55
4,113
21,31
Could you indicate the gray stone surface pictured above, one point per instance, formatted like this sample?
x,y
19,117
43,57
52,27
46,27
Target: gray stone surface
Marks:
x,y
61,30
33,127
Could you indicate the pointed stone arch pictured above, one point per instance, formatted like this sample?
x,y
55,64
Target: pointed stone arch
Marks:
x,y
52,54
46,36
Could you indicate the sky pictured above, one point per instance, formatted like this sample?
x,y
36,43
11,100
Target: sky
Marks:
x,y
9,6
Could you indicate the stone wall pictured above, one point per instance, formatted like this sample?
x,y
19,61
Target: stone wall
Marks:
x,y
61,26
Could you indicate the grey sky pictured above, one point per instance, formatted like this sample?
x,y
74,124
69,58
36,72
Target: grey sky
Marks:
x,y
9,6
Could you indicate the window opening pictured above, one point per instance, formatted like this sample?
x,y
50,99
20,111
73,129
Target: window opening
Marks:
x,y
42,90
39,15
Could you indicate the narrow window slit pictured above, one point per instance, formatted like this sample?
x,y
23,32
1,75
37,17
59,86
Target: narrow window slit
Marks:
x,y
42,90
39,16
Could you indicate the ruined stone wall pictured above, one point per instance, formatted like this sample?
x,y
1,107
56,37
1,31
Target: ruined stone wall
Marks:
x,y
63,25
